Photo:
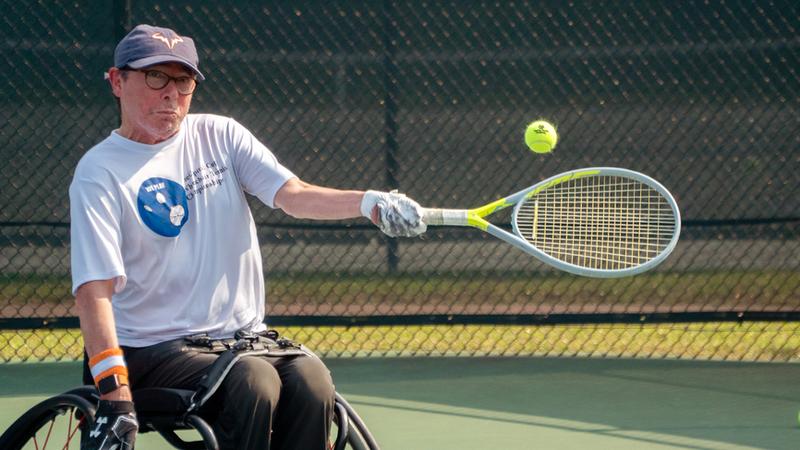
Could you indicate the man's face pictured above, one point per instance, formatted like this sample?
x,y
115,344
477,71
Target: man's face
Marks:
x,y
151,115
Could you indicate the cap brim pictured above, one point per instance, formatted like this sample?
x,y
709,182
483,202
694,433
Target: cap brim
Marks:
x,y
162,59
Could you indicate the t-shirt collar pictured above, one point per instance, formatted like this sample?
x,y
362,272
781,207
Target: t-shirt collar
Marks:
x,y
115,136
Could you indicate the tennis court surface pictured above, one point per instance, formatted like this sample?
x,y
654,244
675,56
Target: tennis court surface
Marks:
x,y
530,403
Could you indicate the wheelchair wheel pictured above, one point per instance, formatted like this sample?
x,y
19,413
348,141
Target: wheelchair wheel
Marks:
x,y
55,423
352,429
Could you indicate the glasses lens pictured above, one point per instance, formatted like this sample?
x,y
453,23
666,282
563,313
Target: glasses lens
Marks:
x,y
156,79
185,85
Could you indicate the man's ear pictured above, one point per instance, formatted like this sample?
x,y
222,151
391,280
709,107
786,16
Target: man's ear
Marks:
x,y
114,77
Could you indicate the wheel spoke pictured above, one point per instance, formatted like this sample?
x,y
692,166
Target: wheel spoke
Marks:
x,y
72,431
49,430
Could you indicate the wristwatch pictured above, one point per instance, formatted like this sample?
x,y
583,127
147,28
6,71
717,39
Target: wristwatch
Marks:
x,y
111,383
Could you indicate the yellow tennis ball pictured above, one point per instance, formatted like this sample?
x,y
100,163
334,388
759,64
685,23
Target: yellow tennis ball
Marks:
x,y
541,137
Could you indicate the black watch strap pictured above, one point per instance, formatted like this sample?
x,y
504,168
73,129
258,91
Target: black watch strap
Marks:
x,y
111,383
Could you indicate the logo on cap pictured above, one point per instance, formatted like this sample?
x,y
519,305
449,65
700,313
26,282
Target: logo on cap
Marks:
x,y
167,41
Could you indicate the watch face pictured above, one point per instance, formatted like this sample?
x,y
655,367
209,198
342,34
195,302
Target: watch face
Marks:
x,y
110,383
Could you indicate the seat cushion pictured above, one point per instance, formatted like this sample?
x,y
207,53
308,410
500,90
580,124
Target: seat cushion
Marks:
x,y
162,400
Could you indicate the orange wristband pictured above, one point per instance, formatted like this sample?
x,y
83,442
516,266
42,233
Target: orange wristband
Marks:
x,y
108,362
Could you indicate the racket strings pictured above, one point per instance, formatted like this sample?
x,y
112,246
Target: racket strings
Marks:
x,y
601,222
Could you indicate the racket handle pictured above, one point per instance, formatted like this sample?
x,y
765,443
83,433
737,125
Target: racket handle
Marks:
x,y
436,216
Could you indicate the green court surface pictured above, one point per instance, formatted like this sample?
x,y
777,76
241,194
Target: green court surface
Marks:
x,y
530,403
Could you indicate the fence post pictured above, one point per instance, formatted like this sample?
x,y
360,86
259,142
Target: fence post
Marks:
x,y
122,18
390,116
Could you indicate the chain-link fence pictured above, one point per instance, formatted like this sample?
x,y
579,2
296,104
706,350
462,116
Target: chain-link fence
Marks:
x,y
432,98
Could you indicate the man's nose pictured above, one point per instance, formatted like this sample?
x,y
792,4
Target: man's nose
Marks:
x,y
170,90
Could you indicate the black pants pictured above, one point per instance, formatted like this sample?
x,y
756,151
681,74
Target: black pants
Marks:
x,y
277,403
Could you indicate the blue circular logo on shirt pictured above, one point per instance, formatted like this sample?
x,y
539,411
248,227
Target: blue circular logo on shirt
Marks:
x,y
162,206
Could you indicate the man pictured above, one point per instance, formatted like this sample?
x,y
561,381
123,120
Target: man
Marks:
x,y
164,246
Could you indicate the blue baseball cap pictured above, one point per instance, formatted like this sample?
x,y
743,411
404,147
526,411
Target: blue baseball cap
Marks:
x,y
147,45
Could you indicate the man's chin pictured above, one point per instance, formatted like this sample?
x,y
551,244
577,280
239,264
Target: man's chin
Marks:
x,y
162,133
168,127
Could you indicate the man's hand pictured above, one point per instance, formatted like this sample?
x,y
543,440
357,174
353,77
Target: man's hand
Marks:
x,y
395,214
114,427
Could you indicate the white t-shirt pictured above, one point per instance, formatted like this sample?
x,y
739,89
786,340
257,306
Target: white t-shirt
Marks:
x,y
170,223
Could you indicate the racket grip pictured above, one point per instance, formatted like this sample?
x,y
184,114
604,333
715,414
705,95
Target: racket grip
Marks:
x,y
436,216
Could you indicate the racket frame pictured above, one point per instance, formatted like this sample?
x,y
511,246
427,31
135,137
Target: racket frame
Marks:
x,y
475,218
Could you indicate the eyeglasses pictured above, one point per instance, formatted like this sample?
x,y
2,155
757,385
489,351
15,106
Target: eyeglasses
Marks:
x,y
157,80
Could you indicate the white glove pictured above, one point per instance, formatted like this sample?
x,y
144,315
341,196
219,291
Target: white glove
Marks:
x,y
398,214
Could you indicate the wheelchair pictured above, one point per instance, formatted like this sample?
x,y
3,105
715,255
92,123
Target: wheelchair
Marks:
x,y
59,422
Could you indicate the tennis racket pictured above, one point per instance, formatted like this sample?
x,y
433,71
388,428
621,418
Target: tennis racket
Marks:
x,y
600,222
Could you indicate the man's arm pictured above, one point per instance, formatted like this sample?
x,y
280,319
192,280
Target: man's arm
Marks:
x,y
93,300
307,201
115,423
395,214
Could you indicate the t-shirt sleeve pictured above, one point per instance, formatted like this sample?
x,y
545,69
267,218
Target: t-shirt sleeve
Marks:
x,y
257,169
95,234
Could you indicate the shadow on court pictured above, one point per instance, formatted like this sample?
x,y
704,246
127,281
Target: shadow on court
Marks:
x,y
584,403
527,403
